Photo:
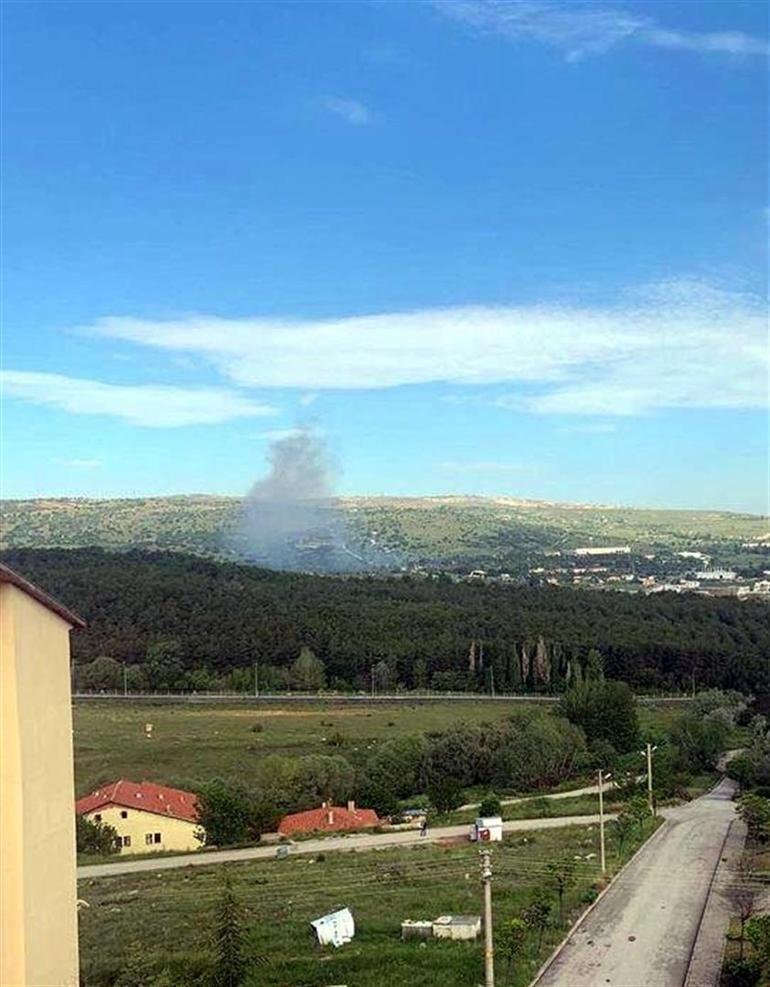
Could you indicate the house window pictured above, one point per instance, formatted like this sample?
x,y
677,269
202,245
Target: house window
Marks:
x,y
157,837
98,817
126,841
123,814
148,838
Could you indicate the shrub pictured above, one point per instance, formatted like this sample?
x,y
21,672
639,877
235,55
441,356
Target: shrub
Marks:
x,y
445,793
490,805
94,837
604,710
740,973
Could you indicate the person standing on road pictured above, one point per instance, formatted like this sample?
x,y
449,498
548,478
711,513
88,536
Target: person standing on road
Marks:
x,y
424,827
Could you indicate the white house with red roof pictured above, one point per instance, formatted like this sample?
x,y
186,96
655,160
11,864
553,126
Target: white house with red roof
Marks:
x,y
328,819
147,817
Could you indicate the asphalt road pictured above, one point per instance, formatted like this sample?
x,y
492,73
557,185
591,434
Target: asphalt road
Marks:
x,y
643,931
359,841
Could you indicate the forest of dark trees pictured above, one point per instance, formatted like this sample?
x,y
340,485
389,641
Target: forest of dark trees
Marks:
x,y
418,632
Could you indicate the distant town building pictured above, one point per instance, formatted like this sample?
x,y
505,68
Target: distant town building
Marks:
x,y
328,818
606,550
694,555
146,817
38,900
716,575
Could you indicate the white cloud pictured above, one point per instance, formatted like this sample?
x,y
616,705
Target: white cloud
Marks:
x,y
277,434
310,398
349,110
148,405
679,343
587,28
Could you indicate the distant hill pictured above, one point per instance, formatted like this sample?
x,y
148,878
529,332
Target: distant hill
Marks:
x,y
448,532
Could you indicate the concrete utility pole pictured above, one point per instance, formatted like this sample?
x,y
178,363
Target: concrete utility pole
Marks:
x,y
489,949
256,679
650,750
602,778
125,680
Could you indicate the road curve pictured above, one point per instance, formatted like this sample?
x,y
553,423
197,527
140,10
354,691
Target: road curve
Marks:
x,y
358,841
642,932
567,794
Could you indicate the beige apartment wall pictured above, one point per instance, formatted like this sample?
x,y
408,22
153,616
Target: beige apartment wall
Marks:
x,y
38,923
176,834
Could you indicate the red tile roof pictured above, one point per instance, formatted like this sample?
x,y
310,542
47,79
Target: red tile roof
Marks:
x,y
147,796
8,575
327,820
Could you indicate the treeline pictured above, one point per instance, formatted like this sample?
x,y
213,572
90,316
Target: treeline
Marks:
x,y
182,619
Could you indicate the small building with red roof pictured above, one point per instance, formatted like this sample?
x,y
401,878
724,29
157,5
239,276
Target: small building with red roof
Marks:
x,y
147,817
328,819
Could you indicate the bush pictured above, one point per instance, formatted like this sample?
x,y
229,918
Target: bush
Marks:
x,y
490,805
445,794
701,740
740,973
94,837
231,814
604,710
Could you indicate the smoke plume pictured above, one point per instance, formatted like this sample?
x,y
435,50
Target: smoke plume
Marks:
x,y
289,519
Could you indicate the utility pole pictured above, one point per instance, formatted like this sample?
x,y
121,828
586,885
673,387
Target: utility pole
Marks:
x,y
125,680
492,680
602,778
489,949
256,679
372,674
650,750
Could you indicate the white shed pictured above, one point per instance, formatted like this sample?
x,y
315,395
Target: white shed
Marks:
x,y
487,829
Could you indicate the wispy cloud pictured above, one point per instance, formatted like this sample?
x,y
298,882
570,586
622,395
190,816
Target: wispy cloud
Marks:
x,y
681,343
349,110
586,28
148,405
277,434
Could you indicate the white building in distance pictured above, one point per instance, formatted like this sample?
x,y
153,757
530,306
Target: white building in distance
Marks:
x,y
716,575
608,550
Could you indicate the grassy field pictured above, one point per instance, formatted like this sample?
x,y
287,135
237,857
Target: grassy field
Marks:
x,y
206,741
167,919
195,743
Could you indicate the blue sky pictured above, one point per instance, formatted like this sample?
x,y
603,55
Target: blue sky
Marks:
x,y
513,247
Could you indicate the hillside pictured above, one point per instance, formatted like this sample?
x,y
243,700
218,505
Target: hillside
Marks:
x,y
177,615
442,532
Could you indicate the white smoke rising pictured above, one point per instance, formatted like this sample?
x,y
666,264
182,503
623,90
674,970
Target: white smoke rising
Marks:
x,y
289,519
